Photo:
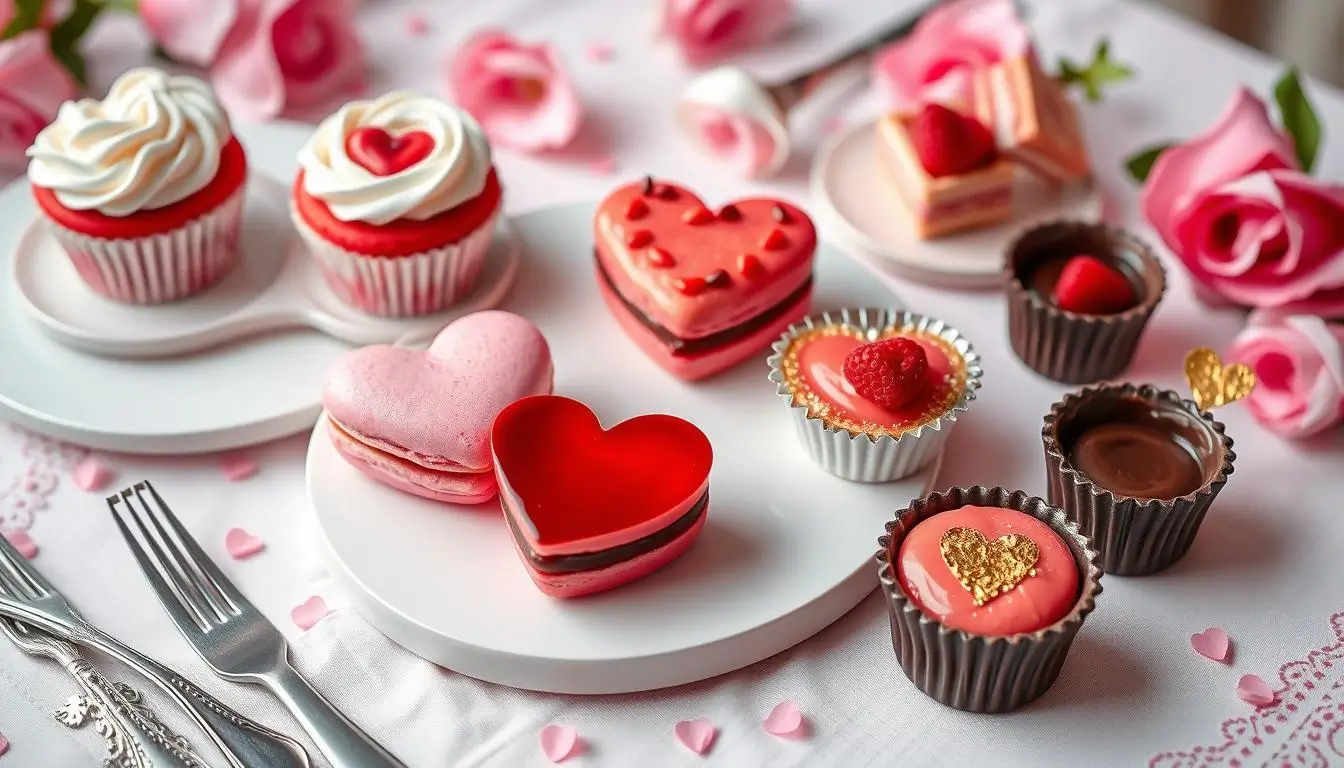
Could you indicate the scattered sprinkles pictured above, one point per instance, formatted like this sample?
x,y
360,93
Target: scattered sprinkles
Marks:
x,y
647,189
240,544
306,616
696,735
697,216
730,213
718,279
559,742
639,238
775,241
748,265
659,257
689,286
784,720
668,192
638,209
779,214
23,543
91,475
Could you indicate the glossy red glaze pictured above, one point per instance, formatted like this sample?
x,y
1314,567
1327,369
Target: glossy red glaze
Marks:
x,y
383,154
580,488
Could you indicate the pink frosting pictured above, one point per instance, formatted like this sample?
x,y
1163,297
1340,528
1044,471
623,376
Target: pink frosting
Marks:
x,y
434,408
935,62
1299,366
1246,223
821,363
1035,603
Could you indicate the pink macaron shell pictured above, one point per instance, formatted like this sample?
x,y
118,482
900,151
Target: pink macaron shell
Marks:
x,y
580,583
434,408
691,368
450,487
1035,603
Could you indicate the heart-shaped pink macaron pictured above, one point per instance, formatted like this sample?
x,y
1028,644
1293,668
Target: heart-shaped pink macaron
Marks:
x,y
420,420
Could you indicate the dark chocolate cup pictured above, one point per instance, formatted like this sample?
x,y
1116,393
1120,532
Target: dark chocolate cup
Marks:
x,y
1066,346
980,673
1134,536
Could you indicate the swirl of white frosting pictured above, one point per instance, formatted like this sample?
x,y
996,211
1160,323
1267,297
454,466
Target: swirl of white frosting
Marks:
x,y
454,172
156,139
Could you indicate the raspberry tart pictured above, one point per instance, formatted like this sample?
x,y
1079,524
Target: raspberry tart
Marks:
x,y
946,169
874,393
397,199
143,189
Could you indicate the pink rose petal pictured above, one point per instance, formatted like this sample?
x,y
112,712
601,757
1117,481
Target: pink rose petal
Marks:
x,y
603,166
308,614
4,744
1254,690
23,543
696,735
417,24
90,474
237,466
599,52
783,720
558,742
1212,643
241,544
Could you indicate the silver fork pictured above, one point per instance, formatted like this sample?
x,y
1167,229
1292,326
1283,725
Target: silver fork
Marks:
x,y
228,632
116,708
31,599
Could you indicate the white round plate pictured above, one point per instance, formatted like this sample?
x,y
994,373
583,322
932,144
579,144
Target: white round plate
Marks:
x,y
244,392
862,207
787,548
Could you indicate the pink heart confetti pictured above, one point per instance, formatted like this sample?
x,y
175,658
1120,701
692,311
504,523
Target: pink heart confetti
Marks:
x,y
23,543
1212,643
90,474
237,466
558,742
833,125
1253,690
599,52
241,544
4,744
308,614
603,166
696,735
784,720
417,24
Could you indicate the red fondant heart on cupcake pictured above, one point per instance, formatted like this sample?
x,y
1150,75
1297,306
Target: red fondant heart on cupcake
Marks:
x,y
383,154
572,487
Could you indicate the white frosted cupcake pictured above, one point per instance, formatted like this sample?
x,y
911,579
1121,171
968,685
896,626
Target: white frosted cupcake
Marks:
x,y
397,200
144,189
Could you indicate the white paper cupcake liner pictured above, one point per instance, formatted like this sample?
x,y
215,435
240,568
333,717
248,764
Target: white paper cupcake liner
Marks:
x,y
159,268
401,286
858,456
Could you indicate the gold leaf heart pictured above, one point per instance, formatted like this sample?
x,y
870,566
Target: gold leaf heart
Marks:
x,y
986,568
1213,385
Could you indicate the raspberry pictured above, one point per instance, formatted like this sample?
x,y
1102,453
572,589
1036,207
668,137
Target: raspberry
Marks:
x,y
1089,286
890,372
950,144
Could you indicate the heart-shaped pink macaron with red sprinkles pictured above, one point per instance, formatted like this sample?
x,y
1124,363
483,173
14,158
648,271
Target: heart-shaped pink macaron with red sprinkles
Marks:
x,y
419,421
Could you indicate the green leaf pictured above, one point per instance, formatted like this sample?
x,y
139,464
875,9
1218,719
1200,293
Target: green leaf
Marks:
x,y
1299,118
1097,74
27,15
1140,164
65,37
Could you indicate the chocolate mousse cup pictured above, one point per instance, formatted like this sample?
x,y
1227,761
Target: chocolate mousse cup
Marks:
x,y
1066,346
1136,468
968,671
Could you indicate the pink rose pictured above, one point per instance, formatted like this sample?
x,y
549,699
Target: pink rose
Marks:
x,y
189,30
520,94
704,29
33,85
1249,226
935,61
1299,366
729,115
285,55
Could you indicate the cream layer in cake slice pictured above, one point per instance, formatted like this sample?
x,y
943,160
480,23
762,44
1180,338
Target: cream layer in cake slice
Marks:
x,y
1032,119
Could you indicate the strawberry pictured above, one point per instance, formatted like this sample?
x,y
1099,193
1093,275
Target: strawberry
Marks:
x,y
949,143
1089,286
890,372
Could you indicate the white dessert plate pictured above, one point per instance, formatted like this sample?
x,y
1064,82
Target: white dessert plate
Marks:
x,y
787,548
861,206
277,285
236,393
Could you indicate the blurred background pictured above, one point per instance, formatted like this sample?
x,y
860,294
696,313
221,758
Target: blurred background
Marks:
x,y
1307,33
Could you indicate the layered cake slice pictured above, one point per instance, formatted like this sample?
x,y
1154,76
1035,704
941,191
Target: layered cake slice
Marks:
x,y
946,169
1033,120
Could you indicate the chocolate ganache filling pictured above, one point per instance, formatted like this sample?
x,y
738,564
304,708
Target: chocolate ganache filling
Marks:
x,y
1141,450
691,347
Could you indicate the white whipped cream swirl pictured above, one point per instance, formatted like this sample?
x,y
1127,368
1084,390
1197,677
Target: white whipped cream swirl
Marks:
x,y
155,140
454,172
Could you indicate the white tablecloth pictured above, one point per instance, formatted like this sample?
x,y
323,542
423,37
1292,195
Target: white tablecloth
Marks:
x,y
1266,565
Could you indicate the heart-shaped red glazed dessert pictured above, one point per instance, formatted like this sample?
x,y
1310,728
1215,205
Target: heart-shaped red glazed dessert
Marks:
x,y
700,289
589,508
383,154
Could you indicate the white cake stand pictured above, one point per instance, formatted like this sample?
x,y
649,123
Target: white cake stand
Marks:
x,y
787,549
859,204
